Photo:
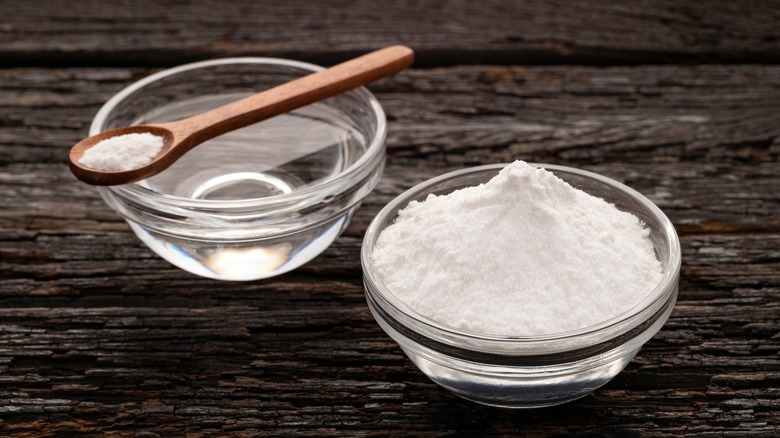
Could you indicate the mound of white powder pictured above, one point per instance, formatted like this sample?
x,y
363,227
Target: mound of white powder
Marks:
x,y
523,254
123,152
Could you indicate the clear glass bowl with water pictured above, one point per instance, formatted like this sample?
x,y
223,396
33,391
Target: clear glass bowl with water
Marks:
x,y
521,371
258,201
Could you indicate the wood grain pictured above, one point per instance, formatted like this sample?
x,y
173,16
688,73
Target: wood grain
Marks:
x,y
97,334
169,32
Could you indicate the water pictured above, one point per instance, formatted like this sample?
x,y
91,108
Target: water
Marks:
x,y
274,157
243,260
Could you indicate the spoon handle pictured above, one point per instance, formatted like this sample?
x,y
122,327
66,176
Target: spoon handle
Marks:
x,y
291,95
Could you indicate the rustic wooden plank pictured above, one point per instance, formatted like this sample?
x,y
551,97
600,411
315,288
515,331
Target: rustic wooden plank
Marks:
x,y
169,32
716,128
97,333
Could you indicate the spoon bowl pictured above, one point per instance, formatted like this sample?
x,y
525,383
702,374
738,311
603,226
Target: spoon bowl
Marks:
x,y
167,156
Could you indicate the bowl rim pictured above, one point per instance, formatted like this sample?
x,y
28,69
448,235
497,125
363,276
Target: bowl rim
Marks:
x,y
656,297
332,185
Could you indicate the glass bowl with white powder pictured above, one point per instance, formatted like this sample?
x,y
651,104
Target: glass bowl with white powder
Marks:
x,y
521,287
258,201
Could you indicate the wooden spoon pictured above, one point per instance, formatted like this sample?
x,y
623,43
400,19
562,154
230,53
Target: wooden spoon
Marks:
x,y
182,135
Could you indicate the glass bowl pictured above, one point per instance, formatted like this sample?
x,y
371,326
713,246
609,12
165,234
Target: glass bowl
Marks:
x,y
261,200
526,371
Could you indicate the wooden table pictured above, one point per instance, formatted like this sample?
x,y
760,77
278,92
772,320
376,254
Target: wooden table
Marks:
x,y
678,99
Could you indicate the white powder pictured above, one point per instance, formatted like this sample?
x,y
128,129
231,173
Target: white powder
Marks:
x,y
123,152
523,254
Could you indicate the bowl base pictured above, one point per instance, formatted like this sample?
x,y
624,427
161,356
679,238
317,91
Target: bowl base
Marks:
x,y
244,260
520,387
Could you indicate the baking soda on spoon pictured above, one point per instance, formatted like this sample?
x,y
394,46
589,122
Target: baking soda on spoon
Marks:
x,y
524,254
123,152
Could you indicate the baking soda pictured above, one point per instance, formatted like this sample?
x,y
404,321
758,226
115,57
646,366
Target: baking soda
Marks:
x,y
123,152
524,254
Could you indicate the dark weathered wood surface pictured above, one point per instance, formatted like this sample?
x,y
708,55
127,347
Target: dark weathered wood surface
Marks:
x,y
98,335
96,32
